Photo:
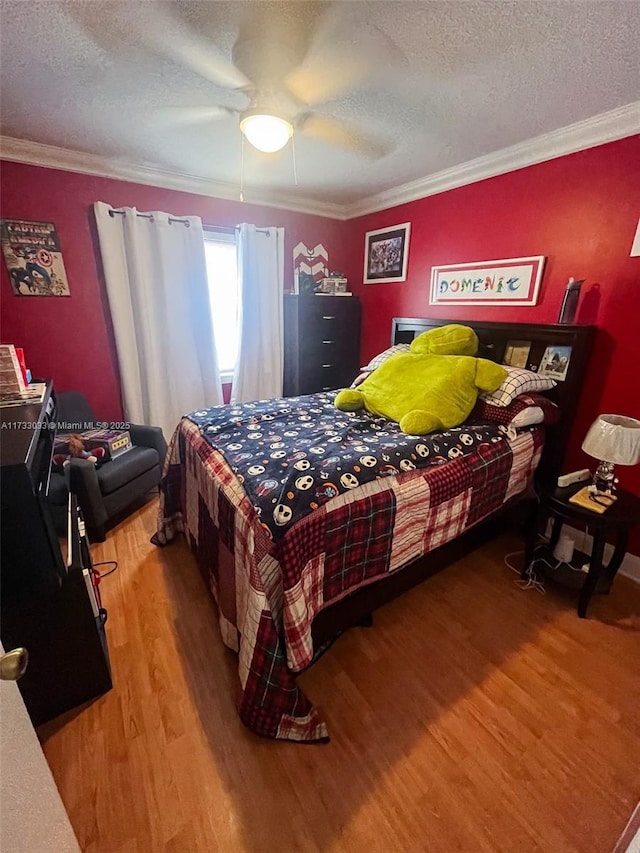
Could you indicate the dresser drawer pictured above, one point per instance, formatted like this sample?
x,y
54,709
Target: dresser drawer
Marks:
x,y
330,378
330,316
326,378
334,350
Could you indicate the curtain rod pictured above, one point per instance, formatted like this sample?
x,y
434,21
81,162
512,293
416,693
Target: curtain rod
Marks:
x,y
226,229
230,229
148,216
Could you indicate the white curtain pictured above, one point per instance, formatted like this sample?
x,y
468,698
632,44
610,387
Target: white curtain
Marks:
x,y
156,278
258,372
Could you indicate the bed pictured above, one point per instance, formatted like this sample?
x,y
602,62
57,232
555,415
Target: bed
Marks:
x,y
304,519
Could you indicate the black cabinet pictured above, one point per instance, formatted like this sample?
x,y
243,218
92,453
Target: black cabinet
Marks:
x,y
47,604
321,343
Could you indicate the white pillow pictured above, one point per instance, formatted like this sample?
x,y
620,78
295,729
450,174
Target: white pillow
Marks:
x,y
379,359
518,381
528,417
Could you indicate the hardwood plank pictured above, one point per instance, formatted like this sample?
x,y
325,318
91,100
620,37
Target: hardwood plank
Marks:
x,y
472,716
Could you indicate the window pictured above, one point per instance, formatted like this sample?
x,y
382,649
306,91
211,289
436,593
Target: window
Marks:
x,y
222,273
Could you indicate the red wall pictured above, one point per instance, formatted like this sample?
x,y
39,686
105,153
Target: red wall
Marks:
x,y
70,338
580,211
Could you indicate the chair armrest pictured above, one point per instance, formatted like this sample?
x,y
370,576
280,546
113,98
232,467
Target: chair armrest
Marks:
x,y
83,482
149,436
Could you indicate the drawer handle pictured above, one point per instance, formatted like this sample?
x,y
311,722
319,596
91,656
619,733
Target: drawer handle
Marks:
x,y
327,365
328,317
327,342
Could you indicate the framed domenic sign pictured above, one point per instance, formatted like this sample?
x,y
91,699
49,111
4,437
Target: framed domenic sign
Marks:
x,y
515,281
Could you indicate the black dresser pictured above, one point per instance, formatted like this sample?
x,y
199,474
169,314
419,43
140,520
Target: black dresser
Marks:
x,y
49,605
321,343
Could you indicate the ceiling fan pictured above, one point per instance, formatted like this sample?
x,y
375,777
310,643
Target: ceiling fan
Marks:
x,y
288,58
293,62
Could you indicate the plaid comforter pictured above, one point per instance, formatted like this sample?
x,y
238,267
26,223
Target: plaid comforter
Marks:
x,y
269,590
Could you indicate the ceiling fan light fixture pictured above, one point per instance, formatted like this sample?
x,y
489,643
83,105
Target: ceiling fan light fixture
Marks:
x,y
266,132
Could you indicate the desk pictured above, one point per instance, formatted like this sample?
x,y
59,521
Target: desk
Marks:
x,y
45,604
617,519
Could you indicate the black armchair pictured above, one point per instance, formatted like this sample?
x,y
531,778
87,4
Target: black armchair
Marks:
x,y
103,493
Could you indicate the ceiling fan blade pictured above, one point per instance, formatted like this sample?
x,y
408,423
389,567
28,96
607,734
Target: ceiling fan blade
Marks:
x,y
119,28
311,87
274,38
175,116
345,52
338,132
172,38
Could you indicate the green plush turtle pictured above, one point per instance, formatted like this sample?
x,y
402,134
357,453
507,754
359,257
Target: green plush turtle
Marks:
x,y
432,387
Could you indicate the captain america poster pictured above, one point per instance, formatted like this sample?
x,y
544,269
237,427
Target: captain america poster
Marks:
x,y
33,257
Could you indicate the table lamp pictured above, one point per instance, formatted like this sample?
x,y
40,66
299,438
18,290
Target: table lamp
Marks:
x,y
613,440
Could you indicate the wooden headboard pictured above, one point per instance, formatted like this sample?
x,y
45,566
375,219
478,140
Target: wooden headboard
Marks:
x,y
494,339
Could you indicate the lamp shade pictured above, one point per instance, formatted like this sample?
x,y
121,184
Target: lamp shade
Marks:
x,y
266,132
615,439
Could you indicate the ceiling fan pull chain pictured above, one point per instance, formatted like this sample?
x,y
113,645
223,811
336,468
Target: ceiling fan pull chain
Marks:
x,y
242,167
293,152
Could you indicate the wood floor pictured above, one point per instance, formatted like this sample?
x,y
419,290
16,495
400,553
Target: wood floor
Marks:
x,y
473,716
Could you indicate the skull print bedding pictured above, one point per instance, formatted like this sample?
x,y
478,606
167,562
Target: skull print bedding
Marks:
x,y
293,455
290,505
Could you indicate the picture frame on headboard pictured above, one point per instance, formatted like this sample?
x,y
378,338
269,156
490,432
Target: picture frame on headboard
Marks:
x,y
516,353
555,363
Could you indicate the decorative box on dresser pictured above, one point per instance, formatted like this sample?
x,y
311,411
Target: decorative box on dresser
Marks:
x,y
321,343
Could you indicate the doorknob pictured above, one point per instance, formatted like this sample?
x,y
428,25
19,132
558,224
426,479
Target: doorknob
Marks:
x,y
13,664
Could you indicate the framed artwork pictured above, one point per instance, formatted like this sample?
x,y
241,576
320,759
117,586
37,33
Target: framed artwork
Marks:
x,y
386,253
310,266
33,257
555,363
635,246
516,353
513,281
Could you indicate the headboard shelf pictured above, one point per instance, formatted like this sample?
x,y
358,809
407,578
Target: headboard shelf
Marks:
x,y
494,339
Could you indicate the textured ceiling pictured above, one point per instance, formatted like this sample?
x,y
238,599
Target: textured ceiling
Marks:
x,y
432,84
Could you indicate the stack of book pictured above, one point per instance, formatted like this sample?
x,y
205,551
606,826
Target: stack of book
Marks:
x,y
33,393
14,389
11,376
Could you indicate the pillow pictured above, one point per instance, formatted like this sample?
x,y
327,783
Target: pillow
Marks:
x,y
526,410
359,378
518,381
383,356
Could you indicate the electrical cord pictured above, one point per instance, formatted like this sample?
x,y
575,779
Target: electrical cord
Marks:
x,y
101,575
530,580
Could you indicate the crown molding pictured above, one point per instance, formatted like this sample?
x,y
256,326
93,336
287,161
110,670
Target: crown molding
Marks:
x,y
606,127
117,168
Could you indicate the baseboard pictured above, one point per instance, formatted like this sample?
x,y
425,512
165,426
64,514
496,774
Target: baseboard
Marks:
x,y
630,567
